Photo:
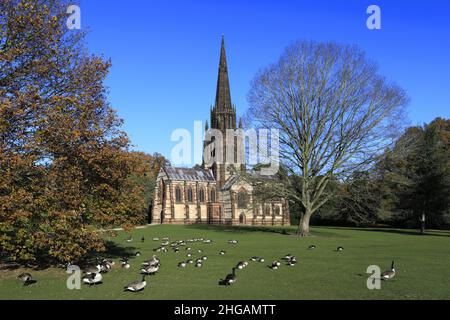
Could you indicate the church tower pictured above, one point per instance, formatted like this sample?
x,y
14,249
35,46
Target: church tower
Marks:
x,y
223,118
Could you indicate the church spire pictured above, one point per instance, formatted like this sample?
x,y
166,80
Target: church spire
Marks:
x,y
223,96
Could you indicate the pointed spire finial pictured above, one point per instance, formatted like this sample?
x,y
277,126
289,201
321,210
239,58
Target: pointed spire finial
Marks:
x,y
241,125
223,96
206,126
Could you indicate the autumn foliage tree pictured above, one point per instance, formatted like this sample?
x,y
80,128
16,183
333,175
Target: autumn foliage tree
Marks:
x,y
66,170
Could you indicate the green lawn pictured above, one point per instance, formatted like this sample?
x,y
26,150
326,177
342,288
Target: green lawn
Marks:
x,y
422,263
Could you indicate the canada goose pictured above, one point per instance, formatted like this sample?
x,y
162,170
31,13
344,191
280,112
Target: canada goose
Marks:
x,y
137,254
288,257
241,265
199,264
233,242
199,261
63,265
150,270
93,269
222,253
261,260
340,249
143,239
26,278
275,265
207,241
200,251
189,255
292,261
204,258
129,239
166,239
190,261
124,263
104,268
388,275
153,261
93,279
254,259
230,278
165,243
108,263
155,239
176,250
188,249
182,265
312,247
136,286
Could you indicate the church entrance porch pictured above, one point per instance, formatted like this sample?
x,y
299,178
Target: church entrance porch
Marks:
x,y
242,219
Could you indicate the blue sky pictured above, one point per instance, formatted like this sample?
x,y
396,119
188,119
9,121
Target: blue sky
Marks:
x,y
165,54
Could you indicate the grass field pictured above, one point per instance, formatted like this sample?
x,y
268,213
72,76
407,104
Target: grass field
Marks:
x,y
422,263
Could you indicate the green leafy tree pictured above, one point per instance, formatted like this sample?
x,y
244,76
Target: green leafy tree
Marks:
x,y
430,195
414,176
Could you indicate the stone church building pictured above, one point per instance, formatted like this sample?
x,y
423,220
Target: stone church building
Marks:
x,y
217,193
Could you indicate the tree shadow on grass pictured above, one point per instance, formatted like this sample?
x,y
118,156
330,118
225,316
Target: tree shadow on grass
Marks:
x,y
243,229
286,230
113,251
409,232
6,266
40,265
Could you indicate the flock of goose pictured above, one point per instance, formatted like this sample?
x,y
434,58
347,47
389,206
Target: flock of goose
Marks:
x,y
93,274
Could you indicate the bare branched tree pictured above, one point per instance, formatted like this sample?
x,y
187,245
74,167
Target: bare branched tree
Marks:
x,y
335,114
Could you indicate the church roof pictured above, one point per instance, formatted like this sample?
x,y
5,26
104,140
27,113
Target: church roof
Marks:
x,y
230,182
185,174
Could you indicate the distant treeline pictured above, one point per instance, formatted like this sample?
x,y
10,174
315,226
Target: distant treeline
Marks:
x,y
409,180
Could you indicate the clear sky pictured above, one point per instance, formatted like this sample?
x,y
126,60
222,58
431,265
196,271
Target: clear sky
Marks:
x,y
165,53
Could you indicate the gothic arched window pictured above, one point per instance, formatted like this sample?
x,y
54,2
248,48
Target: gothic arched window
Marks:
x,y
178,194
189,195
277,210
201,195
242,200
160,191
213,195
267,209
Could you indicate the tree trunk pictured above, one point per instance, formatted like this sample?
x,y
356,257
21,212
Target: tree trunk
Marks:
x,y
422,224
303,228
